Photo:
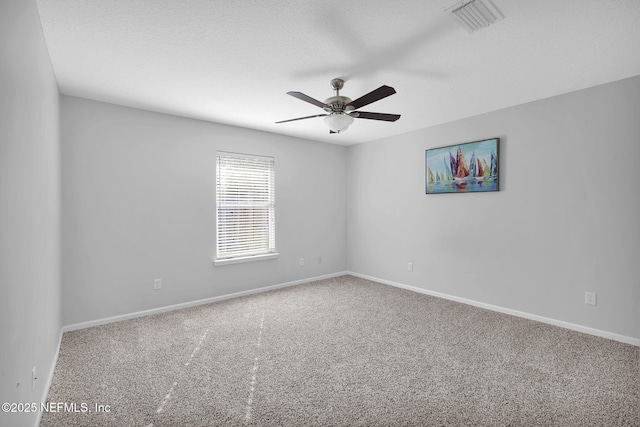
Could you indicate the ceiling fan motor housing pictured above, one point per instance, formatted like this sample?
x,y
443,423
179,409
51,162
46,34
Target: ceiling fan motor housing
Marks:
x,y
338,105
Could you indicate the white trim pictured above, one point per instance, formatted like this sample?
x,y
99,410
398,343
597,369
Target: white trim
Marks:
x,y
238,260
119,318
47,386
572,326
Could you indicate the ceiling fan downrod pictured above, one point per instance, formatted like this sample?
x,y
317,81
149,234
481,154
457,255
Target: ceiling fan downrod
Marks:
x,y
337,84
338,104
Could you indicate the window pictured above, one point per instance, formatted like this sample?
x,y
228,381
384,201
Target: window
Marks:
x,y
245,208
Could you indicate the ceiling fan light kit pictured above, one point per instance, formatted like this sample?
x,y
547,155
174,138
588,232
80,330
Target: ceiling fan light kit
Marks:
x,y
338,122
340,110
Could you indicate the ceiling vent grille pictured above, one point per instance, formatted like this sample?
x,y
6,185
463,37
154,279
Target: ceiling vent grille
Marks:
x,y
474,15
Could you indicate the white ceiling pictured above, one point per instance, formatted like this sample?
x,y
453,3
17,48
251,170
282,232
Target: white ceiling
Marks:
x,y
233,61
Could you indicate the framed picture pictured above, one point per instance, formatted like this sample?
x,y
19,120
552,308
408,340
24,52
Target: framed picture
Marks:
x,y
464,168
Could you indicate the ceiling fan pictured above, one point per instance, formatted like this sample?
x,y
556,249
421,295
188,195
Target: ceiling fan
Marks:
x,y
340,110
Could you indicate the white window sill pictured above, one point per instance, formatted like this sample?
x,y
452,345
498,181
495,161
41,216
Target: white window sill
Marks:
x,y
225,261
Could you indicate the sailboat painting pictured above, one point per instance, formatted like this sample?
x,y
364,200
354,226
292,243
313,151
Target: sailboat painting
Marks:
x,y
463,168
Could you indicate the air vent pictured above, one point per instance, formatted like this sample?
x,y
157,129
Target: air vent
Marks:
x,y
474,15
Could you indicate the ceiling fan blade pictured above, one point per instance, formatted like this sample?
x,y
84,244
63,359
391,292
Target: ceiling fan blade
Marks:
x,y
375,116
373,96
307,98
302,118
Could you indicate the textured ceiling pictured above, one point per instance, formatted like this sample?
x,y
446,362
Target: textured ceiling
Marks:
x,y
233,62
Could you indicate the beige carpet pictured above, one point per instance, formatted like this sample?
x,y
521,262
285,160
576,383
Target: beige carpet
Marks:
x,y
342,352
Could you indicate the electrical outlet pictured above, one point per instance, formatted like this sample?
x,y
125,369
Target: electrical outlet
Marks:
x,y
590,298
157,284
301,261
33,379
410,266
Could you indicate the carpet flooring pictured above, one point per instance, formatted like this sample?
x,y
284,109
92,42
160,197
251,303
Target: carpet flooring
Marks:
x,y
341,352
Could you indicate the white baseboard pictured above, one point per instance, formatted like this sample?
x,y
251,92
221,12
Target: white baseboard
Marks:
x,y
47,385
579,328
119,318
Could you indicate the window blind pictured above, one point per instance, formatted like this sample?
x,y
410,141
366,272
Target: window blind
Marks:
x,y
245,205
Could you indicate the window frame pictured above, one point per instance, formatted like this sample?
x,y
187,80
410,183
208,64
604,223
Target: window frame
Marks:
x,y
270,251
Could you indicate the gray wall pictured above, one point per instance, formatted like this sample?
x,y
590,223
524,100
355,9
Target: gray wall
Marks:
x,y
29,209
564,222
139,203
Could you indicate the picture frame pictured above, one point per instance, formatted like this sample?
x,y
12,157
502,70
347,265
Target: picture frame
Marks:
x,y
470,167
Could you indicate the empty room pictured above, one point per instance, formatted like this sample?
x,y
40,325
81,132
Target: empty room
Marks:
x,y
322,213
